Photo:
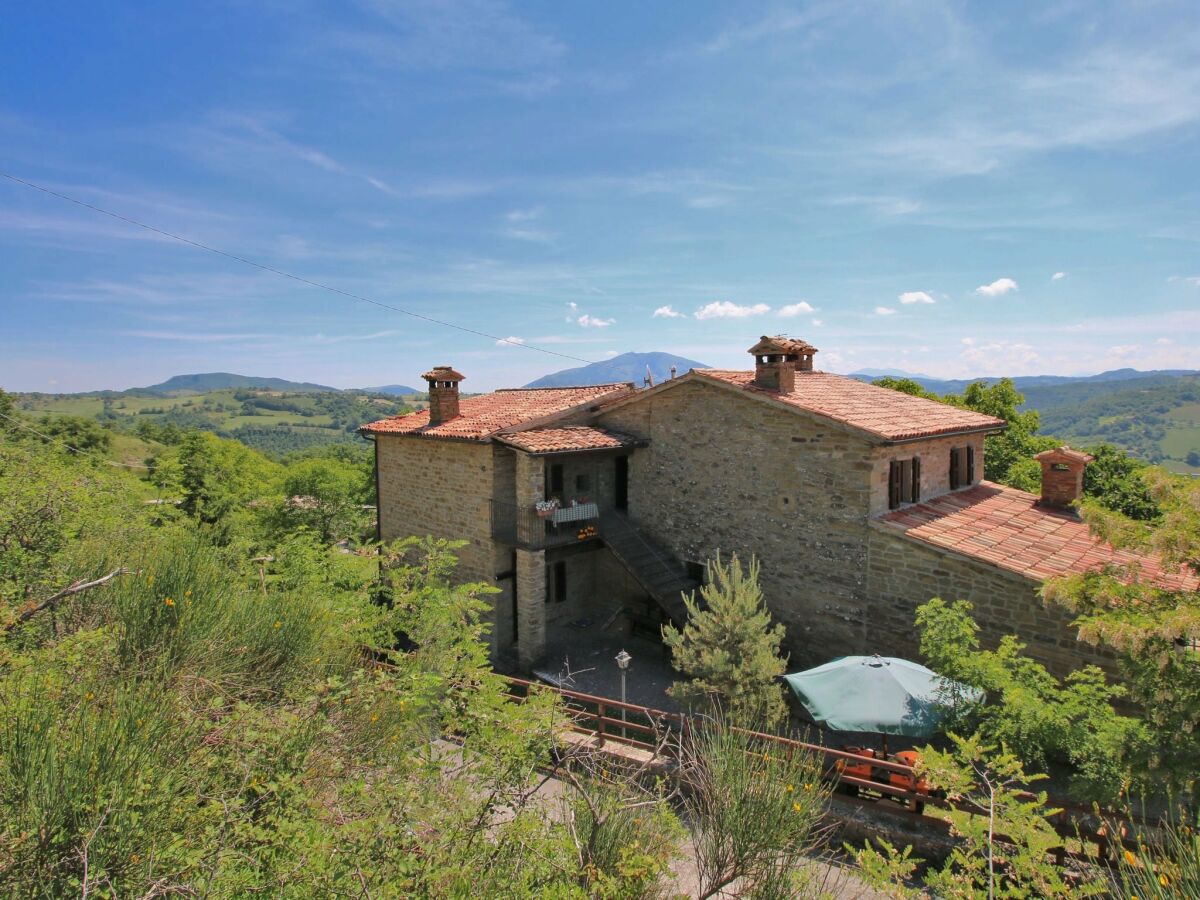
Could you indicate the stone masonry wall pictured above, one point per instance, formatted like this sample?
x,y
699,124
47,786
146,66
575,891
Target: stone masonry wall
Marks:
x,y
724,472
935,466
904,573
439,488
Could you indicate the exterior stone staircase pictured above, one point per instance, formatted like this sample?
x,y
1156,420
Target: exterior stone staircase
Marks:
x,y
663,577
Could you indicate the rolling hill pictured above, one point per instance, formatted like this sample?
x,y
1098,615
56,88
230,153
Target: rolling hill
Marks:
x,y
626,367
202,383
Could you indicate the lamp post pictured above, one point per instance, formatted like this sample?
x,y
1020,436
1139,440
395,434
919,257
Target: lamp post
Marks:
x,y
623,660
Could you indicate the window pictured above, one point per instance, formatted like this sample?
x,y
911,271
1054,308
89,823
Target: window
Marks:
x,y
962,467
904,481
556,583
697,572
556,480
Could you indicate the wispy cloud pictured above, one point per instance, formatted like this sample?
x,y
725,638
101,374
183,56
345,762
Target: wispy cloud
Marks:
x,y
997,288
586,321
510,341
884,311
796,309
666,312
1193,280
726,309
915,297
1058,276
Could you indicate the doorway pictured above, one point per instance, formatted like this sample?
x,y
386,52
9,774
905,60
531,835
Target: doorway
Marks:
x,y
621,489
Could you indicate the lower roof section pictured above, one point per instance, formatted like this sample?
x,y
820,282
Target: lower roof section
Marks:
x,y
571,439
1012,529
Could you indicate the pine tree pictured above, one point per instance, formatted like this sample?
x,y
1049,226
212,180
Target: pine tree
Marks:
x,y
729,650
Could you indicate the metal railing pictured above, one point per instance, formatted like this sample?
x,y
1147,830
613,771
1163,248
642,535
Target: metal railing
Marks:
x,y
523,527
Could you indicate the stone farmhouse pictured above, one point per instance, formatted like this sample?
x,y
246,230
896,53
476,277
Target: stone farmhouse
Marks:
x,y
594,508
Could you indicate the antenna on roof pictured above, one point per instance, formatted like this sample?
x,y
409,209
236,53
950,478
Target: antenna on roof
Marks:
x,y
649,379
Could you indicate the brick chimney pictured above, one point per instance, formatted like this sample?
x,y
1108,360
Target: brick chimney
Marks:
x,y
1062,475
777,360
443,393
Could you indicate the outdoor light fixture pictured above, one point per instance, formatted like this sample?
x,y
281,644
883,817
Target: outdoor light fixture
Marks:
x,y
623,660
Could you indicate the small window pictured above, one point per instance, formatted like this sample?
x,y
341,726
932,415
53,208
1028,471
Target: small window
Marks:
x,y
556,583
556,479
962,467
697,572
904,482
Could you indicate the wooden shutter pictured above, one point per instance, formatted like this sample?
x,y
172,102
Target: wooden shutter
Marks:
x,y
970,464
894,485
955,474
916,479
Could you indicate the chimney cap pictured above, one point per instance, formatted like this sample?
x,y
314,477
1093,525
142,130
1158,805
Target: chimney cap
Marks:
x,y
443,373
780,344
1064,454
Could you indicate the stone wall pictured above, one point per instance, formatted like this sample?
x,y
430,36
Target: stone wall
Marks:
x,y
935,466
726,473
904,573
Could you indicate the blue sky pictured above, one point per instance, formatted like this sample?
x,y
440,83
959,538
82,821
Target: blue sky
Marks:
x,y
948,188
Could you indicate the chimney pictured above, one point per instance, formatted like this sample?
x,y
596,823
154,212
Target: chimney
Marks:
x,y
778,359
443,394
1062,475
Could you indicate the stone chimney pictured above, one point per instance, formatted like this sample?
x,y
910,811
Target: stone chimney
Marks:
x,y
1062,475
443,393
777,360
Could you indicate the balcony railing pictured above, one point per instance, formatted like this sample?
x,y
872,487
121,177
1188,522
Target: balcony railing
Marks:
x,y
525,527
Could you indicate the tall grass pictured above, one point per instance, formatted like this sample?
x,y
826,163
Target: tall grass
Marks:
x,y
187,612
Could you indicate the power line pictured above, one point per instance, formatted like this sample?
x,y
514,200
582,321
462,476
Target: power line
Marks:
x,y
55,440
283,274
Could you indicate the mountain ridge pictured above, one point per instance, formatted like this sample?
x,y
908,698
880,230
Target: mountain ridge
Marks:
x,y
623,367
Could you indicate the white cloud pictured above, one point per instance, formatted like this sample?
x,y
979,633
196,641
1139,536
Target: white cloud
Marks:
x,y
587,321
995,357
510,341
796,309
915,297
666,312
997,288
1193,280
609,354
524,215
1058,276
818,322
884,311
724,309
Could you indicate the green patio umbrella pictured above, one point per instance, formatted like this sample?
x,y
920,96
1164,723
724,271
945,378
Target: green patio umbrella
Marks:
x,y
879,694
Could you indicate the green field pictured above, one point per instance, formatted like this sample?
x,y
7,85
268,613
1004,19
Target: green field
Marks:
x,y
272,421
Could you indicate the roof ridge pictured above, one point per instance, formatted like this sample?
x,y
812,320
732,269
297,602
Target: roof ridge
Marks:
x,y
565,387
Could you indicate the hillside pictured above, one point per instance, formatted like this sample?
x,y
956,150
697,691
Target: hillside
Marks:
x,y
219,381
273,421
394,390
626,367
1104,381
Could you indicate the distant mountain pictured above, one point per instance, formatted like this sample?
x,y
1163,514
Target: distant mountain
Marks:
x,y
889,373
221,381
396,390
1025,383
626,367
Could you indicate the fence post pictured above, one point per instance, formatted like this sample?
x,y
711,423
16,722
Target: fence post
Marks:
x,y
600,722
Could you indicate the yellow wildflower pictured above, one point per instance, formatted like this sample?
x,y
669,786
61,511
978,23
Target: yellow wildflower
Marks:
x,y
374,718
169,602
187,593
790,788
1164,880
1130,858
89,696
796,807
277,624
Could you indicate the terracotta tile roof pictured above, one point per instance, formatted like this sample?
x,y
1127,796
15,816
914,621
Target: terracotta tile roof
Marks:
x,y
889,414
1065,454
562,440
1010,529
482,416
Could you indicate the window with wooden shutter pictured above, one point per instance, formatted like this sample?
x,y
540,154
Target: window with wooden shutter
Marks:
x,y
970,465
955,468
904,481
962,467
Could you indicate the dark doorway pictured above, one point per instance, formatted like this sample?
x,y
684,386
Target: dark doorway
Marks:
x,y
621,490
556,481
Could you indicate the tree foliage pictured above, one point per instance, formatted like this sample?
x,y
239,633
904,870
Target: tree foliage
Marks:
x,y
728,649
1042,720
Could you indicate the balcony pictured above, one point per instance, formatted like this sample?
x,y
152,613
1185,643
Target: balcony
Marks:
x,y
526,528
